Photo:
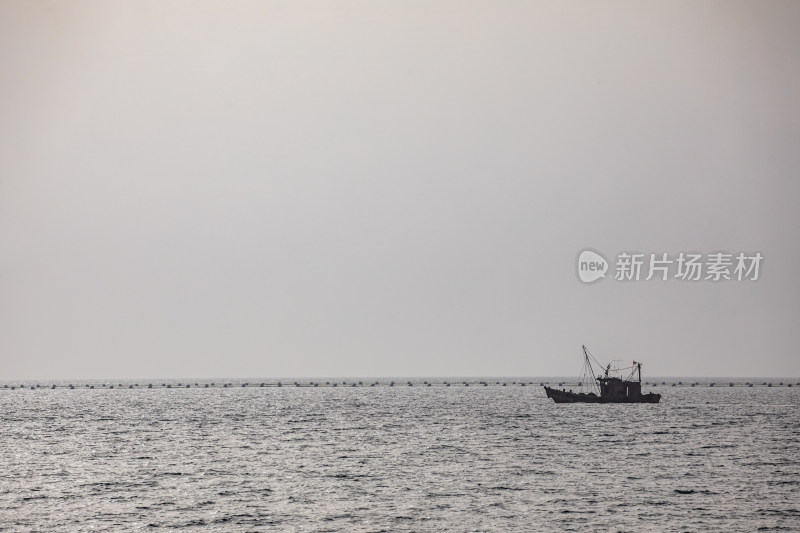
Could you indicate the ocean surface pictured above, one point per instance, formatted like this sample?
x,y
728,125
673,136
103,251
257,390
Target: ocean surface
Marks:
x,y
419,458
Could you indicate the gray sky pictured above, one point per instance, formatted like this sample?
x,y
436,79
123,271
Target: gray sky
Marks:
x,y
393,188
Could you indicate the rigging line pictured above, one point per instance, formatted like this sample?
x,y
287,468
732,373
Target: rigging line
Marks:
x,y
593,359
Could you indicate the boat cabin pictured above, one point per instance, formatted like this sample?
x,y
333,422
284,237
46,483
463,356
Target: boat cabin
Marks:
x,y
611,387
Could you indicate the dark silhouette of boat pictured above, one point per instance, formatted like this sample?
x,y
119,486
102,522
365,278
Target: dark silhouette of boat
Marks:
x,y
611,389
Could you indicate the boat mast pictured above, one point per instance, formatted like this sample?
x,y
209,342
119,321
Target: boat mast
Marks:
x,y
639,368
589,364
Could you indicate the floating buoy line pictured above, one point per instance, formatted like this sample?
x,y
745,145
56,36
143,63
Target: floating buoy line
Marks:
x,y
354,384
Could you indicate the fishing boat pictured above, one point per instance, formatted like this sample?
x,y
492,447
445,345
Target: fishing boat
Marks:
x,y
607,388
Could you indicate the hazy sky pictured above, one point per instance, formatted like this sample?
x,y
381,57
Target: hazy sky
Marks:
x,y
393,188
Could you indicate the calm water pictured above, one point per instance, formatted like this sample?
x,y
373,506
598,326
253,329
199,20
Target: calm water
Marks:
x,y
398,459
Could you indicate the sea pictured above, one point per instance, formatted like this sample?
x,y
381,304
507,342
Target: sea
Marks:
x,y
482,454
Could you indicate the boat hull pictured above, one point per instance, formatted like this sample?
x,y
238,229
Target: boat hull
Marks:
x,y
560,396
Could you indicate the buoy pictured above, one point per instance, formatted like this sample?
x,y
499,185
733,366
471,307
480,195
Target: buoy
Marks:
x,y
149,385
91,387
187,385
130,386
169,386
206,385
730,384
279,384
53,387
448,384
334,384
